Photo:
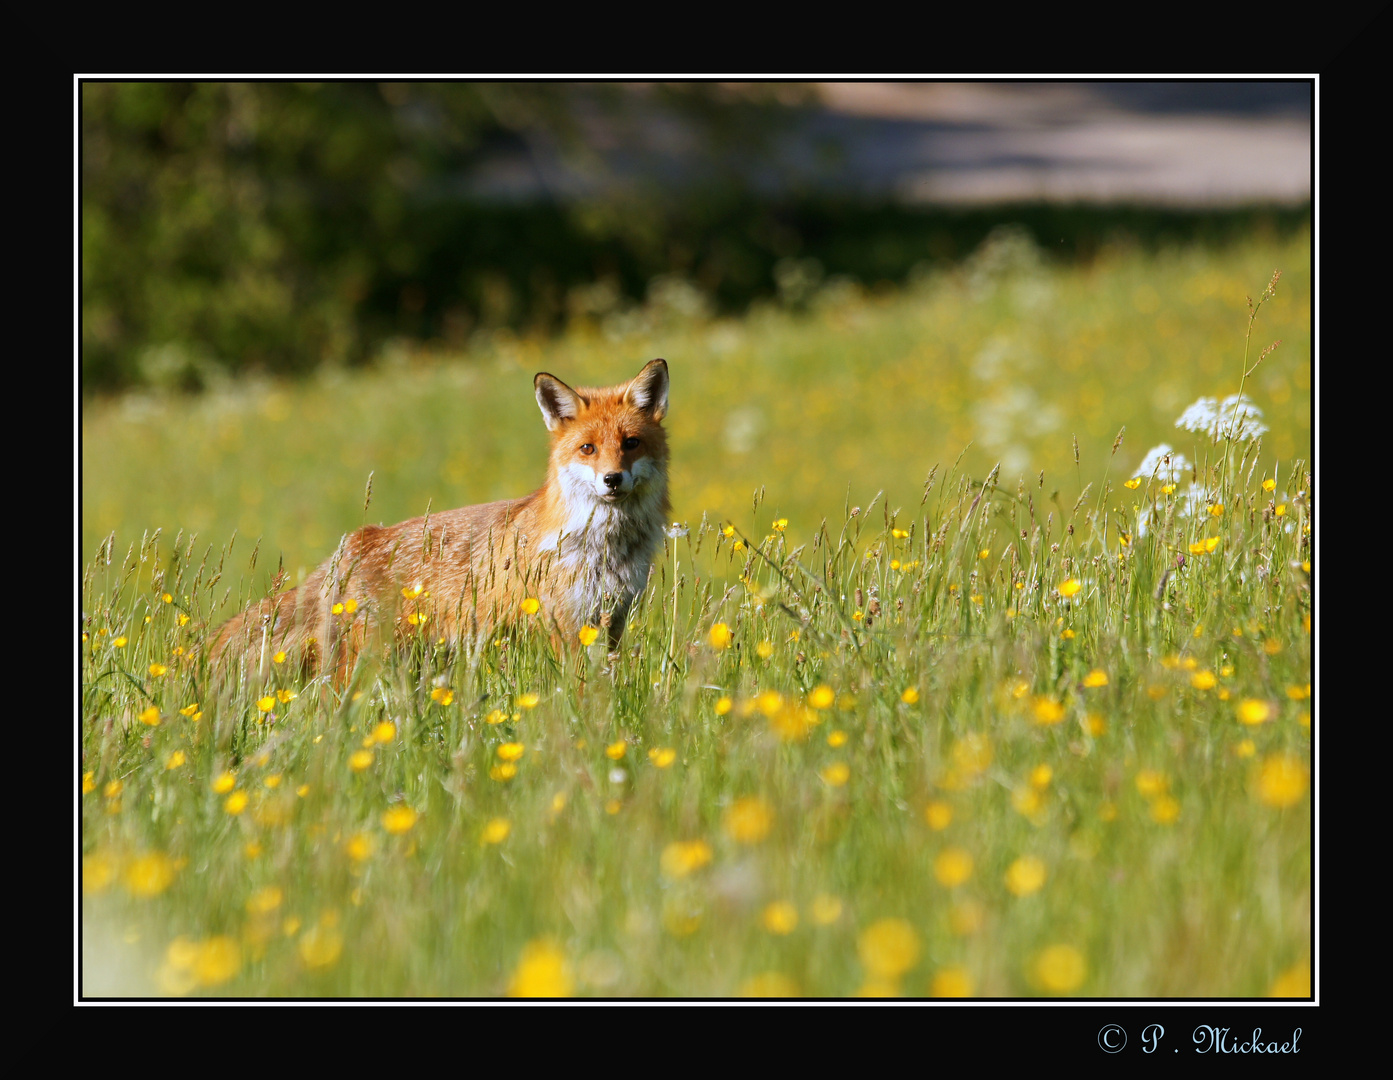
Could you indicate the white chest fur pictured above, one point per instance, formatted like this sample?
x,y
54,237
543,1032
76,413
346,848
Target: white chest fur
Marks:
x,y
604,552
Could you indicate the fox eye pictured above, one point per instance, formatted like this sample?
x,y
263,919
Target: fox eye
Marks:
x,y
630,443
587,448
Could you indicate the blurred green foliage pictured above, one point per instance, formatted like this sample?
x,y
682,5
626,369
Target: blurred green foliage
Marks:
x,y
277,226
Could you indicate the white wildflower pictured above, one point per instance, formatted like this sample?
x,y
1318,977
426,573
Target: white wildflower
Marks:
x,y
1164,464
1236,416
675,531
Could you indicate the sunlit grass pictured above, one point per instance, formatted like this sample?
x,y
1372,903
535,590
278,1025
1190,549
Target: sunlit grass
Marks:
x,y
990,735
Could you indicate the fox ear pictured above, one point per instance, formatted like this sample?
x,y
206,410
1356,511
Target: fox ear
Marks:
x,y
648,391
558,401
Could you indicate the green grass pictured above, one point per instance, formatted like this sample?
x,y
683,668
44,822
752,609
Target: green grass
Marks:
x,y
1174,839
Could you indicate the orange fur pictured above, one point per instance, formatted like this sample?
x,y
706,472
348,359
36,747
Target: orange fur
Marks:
x,y
581,545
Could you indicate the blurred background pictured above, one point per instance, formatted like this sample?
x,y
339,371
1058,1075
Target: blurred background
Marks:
x,y
852,282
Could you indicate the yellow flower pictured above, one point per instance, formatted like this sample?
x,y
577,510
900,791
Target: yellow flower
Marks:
x,y
267,703
826,909
337,609
156,670
1070,587
217,960
899,534
149,874
587,635
1096,677
151,716
113,789
411,592
836,738
721,636
225,783
264,901
119,642
1217,510
616,750
939,815
98,871
285,697
417,618
769,702
748,820
951,982
1282,780
662,757
442,695
189,710
822,697
506,771
89,783
531,606
781,524
1041,775
360,760
385,731
279,658
1203,680
780,918
497,716
320,946
1133,483
985,553
1047,711
236,803
1027,802
910,695
723,706
496,831
1165,810
398,819
529,700
836,774
1281,510
542,972
681,857
793,723
1269,484
952,866
971,756
769,984
1025,876
1151,783
764,650
1295,982
512,751
175,760
1059,969
888,948
1252,711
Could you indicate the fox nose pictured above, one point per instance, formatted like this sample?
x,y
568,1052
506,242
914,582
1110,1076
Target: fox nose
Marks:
x,y
613,480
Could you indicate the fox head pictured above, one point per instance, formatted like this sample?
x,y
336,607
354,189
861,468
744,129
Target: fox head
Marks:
x,y
608,444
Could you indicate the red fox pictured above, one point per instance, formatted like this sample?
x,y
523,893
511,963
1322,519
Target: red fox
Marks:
x,y
576,552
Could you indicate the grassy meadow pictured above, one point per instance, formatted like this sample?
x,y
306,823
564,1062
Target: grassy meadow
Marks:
x,y
945,685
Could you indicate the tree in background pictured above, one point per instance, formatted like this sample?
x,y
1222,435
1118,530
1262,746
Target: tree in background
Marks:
x,y
275,226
